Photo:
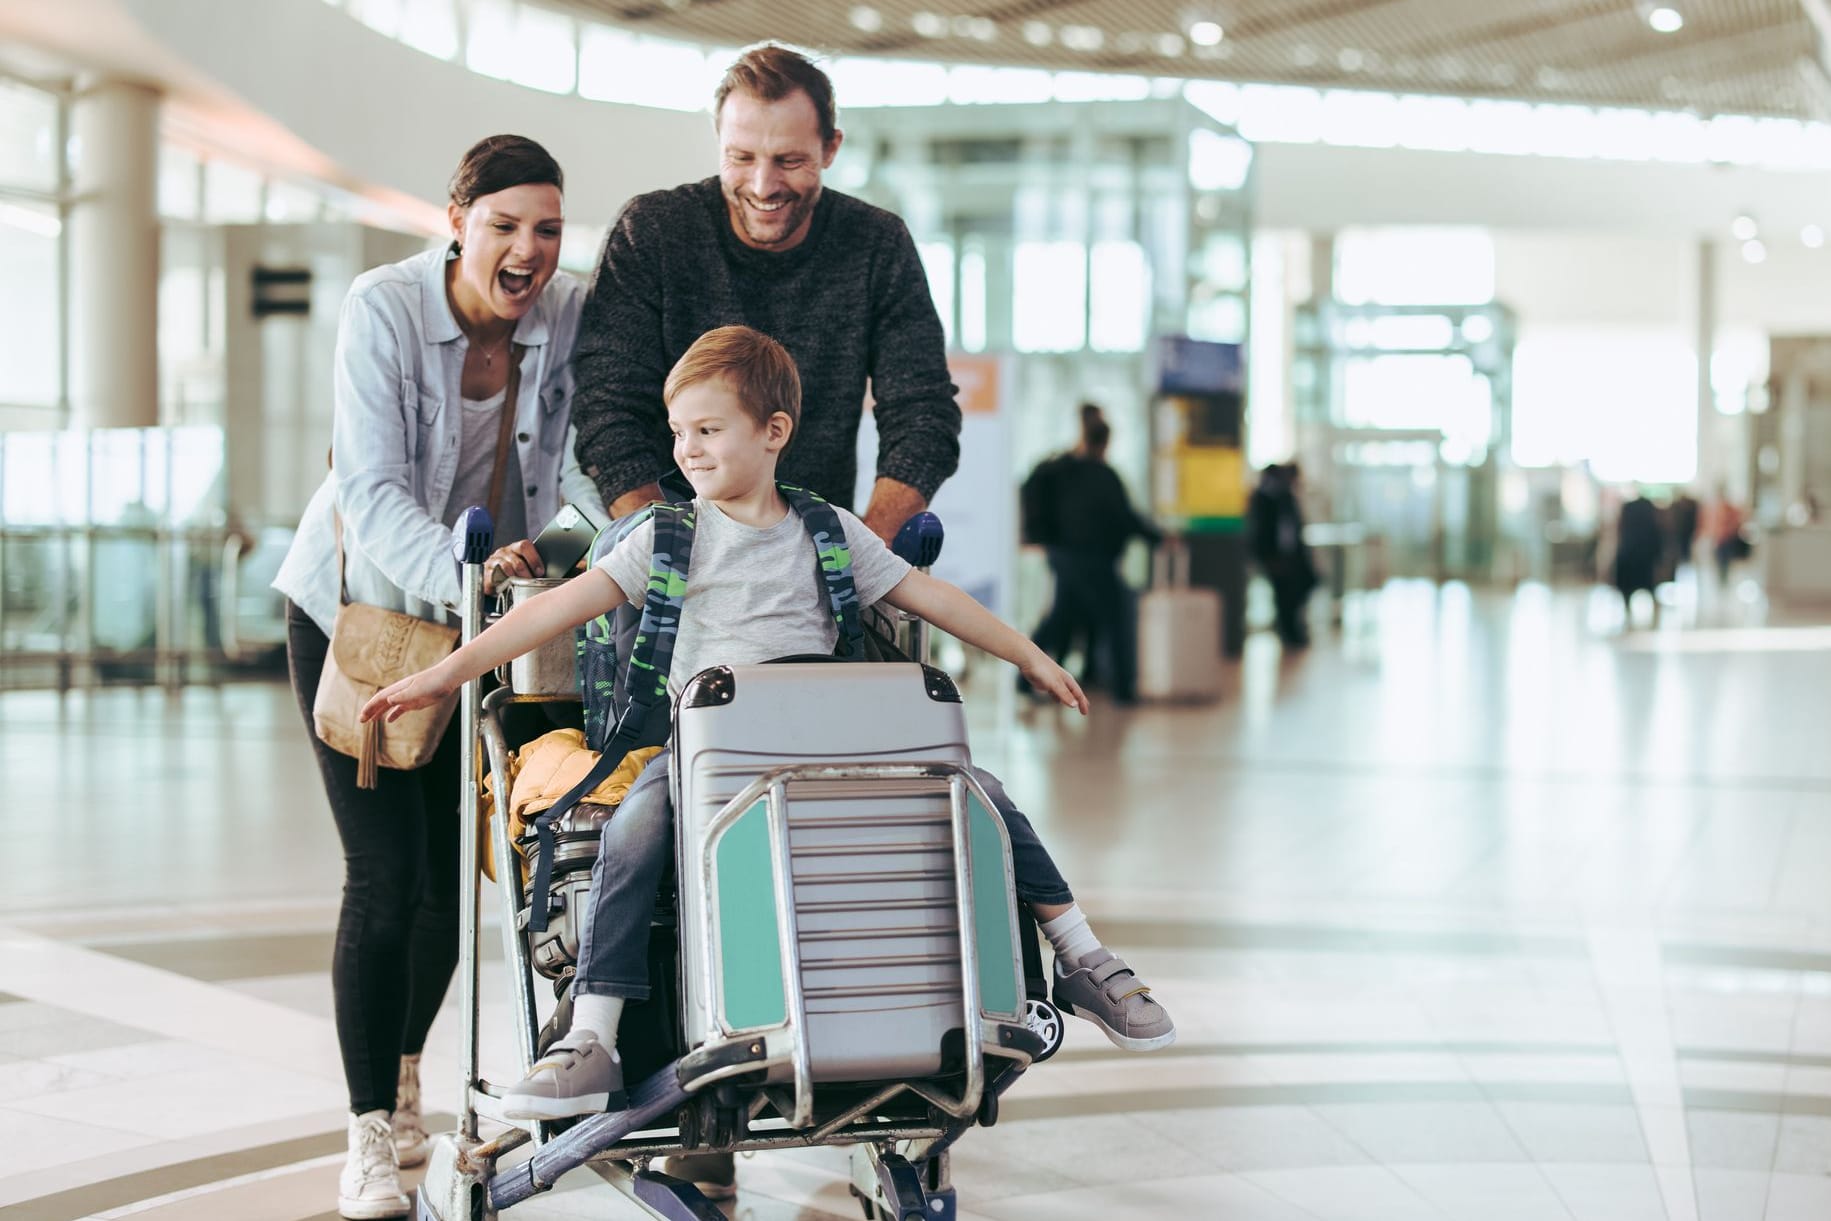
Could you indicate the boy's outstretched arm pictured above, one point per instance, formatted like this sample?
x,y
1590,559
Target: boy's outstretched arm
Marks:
x,y
524,629
949,608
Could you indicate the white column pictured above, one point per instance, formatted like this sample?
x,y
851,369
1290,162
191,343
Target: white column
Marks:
x,y
114,257
1709,461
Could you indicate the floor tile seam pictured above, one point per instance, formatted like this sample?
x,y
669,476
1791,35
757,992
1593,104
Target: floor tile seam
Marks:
x,y
1538,1169
121,1191
1384,1169
32,1116
1507,1121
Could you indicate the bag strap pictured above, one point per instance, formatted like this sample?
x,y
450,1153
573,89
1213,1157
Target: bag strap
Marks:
x,y
505,433
833,564
650,656
505,428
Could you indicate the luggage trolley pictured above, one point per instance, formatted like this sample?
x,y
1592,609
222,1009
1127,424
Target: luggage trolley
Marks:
x,y
846,962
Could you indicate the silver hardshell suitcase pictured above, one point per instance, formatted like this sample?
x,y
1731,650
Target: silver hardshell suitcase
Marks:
x,y
873,934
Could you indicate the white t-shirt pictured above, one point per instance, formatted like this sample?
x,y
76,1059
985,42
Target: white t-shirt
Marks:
x,y
476,461
753,594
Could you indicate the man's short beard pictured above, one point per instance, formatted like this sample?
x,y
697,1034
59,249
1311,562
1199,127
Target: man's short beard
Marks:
x,y
796,214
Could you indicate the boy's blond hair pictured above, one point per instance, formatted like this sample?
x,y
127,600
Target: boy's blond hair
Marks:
x,y
759,370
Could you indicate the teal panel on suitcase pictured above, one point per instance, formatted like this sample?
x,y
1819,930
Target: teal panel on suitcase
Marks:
x,y
750,955
991,911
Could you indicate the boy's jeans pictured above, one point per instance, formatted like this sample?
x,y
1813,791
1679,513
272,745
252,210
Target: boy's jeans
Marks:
x,y
638,843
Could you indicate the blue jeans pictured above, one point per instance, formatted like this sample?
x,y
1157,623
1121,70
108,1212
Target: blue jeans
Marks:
x,y
638,843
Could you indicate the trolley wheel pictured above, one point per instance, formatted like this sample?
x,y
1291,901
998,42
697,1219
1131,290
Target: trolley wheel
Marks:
x,y
1045,1022
688,1121
988,1106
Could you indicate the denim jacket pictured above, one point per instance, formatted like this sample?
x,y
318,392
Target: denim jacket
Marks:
x,y
397,431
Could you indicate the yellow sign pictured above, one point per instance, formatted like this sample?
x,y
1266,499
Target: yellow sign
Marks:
x,y
1210,481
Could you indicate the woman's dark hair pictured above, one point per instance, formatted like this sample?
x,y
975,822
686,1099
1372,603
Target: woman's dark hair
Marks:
x,y
496,163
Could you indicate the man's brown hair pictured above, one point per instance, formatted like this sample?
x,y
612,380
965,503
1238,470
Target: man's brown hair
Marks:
x,y
759,370
771,71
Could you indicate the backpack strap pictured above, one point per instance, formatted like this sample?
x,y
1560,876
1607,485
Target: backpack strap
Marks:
x,y
834,565
649,659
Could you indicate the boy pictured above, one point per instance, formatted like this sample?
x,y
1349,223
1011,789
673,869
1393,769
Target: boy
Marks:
x,y
733,402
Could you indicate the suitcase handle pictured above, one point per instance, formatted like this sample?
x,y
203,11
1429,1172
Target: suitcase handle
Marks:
x,y
1170,563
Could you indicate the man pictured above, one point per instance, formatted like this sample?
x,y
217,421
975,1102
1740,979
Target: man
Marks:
x,y
832,278
1275,530
1084,517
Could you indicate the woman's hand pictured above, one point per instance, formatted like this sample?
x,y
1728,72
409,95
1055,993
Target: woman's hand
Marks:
x,y
506,563
420,690
1042,673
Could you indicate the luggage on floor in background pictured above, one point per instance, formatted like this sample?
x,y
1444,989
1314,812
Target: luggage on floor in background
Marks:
x,y
1179,632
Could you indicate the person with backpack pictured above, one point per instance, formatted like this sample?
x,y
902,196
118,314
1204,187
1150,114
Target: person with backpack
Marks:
x,y
733,401
1075,506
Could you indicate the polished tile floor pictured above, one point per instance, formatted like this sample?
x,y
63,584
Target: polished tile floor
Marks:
x,y
1483,909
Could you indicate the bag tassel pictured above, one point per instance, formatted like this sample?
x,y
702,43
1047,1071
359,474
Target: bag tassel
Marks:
x,y
366,762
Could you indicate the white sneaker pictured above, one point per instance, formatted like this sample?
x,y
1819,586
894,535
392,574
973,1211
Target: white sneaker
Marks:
x,y
410,1140
371,1183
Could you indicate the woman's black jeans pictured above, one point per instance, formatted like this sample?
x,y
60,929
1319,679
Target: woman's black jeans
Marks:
x,y
397,934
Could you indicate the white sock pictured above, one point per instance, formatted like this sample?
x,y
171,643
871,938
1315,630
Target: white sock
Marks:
x,y
1071,936
598,1014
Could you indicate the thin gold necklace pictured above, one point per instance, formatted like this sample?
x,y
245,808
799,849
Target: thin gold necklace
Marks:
x,y
489,355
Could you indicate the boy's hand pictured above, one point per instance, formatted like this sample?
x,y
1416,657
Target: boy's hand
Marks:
x,y
420,690
1043,674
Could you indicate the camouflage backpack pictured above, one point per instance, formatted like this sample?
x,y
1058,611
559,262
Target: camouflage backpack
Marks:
x,y
624,657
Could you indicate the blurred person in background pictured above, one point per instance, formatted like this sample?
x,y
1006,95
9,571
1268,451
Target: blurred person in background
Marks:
x,y
1077,508
428,350
1274,532
1640,551
1722,524
1682,516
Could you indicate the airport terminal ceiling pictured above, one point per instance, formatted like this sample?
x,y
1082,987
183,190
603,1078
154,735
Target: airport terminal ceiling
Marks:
x,y
1756,57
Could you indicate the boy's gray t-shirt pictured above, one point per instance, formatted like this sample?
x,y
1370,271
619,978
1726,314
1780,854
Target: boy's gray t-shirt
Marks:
x,y
753,594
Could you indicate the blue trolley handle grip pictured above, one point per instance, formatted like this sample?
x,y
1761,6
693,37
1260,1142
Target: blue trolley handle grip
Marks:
x,y
471,535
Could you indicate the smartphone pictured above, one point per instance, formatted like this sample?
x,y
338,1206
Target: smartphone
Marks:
x,y
564,541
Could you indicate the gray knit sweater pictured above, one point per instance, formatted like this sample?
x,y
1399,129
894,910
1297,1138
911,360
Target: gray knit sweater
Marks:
x,y
850,303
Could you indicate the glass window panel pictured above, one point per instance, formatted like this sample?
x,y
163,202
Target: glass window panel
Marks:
x,y
1417,266
180,193
1223,264
118,466
1428,392
1120,304
231,194
431,26
618,67
1218,162
938,262
1218,319
29,310
1622,399
1049,297
545,53
888,82
197,468
973,296
972,83
31,478
28,137
490,48
290,203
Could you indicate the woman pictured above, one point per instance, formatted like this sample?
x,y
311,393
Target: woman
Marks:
x,y
425,349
